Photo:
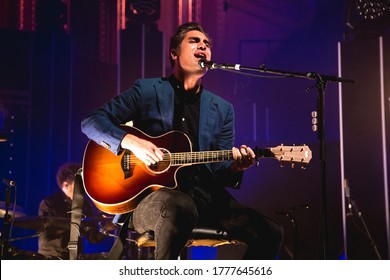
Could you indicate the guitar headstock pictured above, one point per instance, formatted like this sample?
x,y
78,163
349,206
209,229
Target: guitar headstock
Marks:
x,y
292,154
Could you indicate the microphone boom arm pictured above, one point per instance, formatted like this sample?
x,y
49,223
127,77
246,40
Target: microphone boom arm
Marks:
x,y
238,67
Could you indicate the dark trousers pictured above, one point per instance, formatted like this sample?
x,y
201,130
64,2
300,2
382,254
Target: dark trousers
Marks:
x,y
172,214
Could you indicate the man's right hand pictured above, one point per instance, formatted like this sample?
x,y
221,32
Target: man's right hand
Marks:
x,y
144,150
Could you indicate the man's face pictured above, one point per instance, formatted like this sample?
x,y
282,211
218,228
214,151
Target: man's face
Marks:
x,y
194,47
68,189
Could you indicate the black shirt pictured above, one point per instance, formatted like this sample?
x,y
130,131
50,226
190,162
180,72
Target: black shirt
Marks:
x,y
195,180
186,112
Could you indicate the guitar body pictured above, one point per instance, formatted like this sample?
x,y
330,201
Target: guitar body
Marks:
x,y
117,183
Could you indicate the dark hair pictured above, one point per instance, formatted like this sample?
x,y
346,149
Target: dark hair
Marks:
x,y
67,172
178,37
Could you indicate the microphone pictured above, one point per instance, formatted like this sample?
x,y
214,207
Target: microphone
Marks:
x,y
9,182
204,63
348,196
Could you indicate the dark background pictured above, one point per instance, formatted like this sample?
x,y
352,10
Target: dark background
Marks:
x,y
61,59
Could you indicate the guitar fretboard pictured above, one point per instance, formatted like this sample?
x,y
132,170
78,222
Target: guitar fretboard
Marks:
x,y
200,157
177,159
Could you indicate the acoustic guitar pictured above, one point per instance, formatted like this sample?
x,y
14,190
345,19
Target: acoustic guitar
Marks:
x,y
117,183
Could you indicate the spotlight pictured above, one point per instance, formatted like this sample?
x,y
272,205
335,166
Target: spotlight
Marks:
x,y
373,9
143,10
367,17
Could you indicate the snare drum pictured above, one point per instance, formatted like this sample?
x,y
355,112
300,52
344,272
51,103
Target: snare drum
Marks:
x,y
94,256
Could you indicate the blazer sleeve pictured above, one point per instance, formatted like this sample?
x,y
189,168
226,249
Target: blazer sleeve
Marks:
x,y
103,124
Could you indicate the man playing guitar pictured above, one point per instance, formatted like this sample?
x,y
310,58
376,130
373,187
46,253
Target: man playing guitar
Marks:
x,y
157,106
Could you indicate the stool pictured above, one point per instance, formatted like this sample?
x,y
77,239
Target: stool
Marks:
x,y
200,236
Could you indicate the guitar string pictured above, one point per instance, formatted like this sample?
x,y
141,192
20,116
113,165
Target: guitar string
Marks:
x,y
205,157
194,157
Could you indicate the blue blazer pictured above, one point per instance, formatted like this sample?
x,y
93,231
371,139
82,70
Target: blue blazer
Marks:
x,y
149,104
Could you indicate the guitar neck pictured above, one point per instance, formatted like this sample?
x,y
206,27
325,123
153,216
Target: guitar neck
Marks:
x,y
210,156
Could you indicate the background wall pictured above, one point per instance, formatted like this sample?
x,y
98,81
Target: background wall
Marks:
x,y
73,56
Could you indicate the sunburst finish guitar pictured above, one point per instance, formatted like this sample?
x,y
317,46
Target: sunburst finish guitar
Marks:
x,y
117,183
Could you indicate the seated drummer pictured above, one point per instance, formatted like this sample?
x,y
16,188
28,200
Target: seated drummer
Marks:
x,y
53,240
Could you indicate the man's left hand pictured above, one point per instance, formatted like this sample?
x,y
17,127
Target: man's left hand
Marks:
x,y
244,157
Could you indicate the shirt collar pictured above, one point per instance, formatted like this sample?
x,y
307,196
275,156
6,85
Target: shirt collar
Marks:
x,y
178,86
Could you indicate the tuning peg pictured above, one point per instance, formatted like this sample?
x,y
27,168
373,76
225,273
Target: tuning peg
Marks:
x,y
281,164
303,166
292,162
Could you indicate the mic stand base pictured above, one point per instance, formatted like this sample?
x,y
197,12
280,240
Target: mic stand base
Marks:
x,y
367,232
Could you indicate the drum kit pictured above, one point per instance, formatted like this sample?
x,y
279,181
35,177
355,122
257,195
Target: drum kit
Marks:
x,y
14,216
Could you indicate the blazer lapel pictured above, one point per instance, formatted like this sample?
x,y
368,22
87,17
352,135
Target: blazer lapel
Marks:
x,y
207,119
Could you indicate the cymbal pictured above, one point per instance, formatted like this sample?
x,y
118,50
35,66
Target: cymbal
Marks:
x,y
40,223
17,213
96,220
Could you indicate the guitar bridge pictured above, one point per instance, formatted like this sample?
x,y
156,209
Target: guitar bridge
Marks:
x,y
126,165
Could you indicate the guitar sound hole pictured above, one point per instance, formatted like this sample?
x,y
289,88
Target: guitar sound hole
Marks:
x,y
162,165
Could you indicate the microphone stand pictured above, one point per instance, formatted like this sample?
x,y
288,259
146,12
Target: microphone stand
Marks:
x,y
321,81
4,242
353,207
290,215
367,232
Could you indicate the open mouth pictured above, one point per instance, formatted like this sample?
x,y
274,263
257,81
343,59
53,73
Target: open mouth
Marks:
x,y
200,55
